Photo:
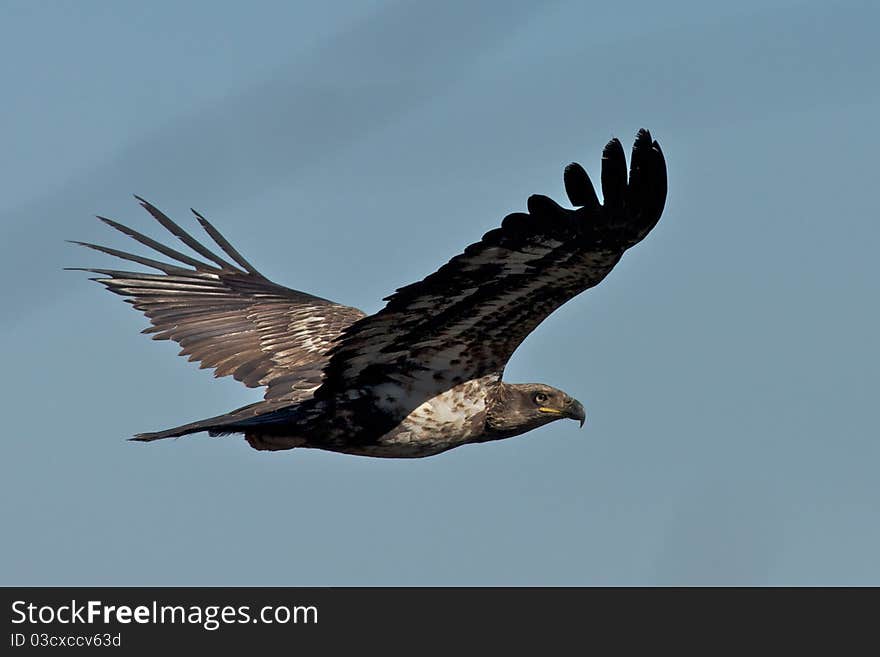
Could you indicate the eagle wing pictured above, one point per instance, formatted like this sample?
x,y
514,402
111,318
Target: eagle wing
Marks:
x,y
227,316
465,320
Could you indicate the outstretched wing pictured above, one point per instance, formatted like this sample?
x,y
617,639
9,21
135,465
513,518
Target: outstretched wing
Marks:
x,y
229,316
465,320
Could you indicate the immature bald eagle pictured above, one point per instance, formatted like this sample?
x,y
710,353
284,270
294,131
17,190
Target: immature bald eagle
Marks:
x,y
422,375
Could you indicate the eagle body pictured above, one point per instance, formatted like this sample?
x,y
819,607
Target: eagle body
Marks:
x,y
418,427
423,374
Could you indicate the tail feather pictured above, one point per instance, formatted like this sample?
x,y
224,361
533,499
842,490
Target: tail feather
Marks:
x,y
238,421
184,430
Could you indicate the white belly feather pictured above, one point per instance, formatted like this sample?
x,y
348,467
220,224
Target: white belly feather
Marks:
x,y
450,418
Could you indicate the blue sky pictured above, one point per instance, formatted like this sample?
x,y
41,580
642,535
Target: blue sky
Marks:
x,y
728,364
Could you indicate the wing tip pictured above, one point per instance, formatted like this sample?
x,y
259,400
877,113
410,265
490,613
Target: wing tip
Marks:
x,y
579,187
110,222
613,149
643,135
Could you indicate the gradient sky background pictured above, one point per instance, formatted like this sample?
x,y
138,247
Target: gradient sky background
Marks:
x,y
729,364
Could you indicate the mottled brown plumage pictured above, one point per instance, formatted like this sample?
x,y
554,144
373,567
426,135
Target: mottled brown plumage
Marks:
x,y
423,374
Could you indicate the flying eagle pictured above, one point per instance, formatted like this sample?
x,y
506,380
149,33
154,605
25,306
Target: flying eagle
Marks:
x,y
424,374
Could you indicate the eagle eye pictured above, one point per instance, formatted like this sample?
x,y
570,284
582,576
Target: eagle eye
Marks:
x,y
540,398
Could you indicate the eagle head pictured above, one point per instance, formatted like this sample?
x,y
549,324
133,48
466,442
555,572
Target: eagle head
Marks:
x,y
514,408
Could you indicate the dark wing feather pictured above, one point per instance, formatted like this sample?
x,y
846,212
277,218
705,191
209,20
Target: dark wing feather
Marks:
x,y
227,316
466,319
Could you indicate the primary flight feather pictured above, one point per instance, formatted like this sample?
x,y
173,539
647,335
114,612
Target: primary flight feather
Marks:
x,y
422,375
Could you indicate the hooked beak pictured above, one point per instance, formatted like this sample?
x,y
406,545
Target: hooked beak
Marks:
x,y
575,410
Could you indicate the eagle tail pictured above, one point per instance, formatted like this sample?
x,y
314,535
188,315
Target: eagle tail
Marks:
x,y
210,425
238,421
